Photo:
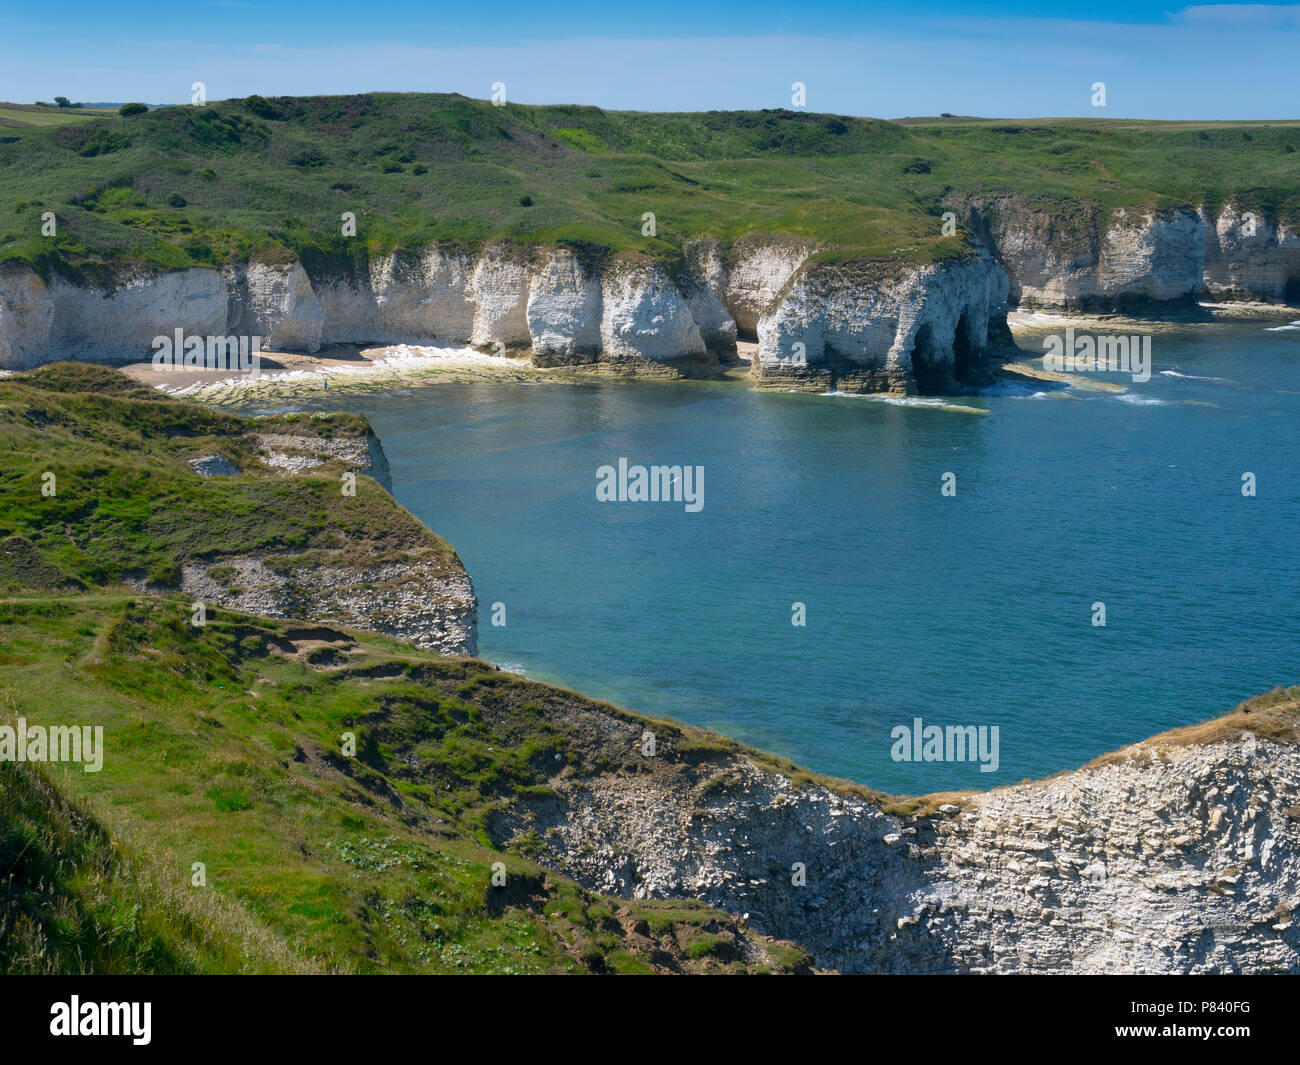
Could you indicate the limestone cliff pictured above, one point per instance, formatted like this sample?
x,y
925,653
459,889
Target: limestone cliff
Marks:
x,y
618,312
1249,257
844,328
596,312
405,587
1180,854
1137,259
821,323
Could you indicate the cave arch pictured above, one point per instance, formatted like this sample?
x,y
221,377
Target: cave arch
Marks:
x,y
929,364
967,366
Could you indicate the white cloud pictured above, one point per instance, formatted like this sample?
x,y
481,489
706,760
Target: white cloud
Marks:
x,y
1243,14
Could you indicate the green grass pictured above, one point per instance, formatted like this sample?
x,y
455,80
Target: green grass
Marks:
x,y
224,741
126,504
237,179
73,899
225,749
31,115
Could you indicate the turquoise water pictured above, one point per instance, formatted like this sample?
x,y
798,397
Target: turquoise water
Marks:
x,y
974,609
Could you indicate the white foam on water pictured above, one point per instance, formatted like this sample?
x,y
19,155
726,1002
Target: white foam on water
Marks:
x,y
929,402
1141,401
1188,376
1009,390
1283,328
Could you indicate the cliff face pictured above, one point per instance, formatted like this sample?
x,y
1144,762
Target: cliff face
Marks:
x,y
42,322
1167,857
930,328
286,516
1250,258
620,313
414,592
820,324
1136,259
612,314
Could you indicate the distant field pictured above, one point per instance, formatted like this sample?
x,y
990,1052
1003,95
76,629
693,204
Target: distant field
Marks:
x,y
185,185
1160,125
27,115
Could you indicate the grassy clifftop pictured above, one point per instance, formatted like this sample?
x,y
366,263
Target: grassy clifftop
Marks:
x,y
182,186
96,487
224,742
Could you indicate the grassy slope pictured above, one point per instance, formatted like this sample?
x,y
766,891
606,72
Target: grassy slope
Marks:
x,y
223,747
127,505
224,740
186,185
74,899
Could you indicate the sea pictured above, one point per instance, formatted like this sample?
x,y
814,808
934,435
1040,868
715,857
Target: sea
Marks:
x,y
1067,569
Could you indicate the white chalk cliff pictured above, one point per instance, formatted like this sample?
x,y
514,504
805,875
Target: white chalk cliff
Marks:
x,y
892,330
1167,857
878,326
1134,258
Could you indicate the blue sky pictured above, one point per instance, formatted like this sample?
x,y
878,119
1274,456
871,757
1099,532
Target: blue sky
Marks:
x,y
1006,59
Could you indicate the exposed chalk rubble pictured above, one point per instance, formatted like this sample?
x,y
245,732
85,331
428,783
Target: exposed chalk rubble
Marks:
x,y
421,600
1177,859
412,588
